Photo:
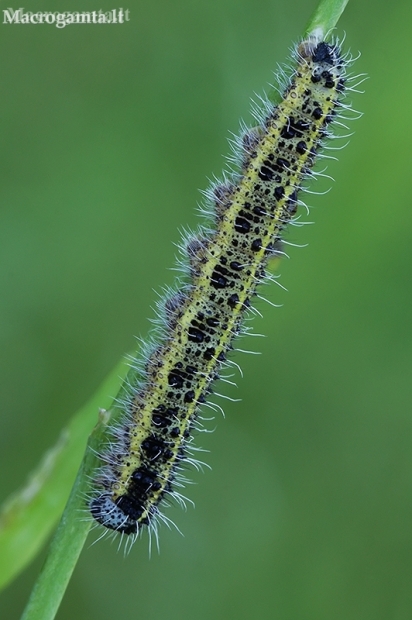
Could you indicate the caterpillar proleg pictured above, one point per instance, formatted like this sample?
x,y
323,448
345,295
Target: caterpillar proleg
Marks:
x,y
225,263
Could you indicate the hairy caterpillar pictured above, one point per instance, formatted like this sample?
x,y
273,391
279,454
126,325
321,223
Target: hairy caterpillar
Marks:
x,y
226,262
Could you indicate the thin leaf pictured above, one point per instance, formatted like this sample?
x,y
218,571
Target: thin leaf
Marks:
x,y
29,515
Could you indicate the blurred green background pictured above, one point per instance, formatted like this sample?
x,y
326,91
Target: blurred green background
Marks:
x,y
107,132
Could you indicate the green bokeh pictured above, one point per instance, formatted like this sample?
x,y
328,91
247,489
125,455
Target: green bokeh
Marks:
x,y
107,133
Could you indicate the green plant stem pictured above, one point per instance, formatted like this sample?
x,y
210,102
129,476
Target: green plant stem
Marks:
x,y
72,531
28,516
325,17
320,25
68,539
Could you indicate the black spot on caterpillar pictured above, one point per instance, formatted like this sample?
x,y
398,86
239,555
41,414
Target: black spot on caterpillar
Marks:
x,y
250,209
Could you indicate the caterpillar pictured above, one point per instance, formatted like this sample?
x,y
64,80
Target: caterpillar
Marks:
x,y
226,261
